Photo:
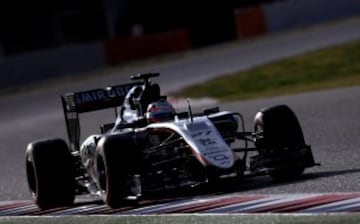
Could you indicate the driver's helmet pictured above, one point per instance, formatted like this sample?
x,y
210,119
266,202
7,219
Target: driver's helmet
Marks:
x,y
159,111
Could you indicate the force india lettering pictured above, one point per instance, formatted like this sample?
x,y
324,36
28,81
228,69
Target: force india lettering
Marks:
x,y
206,142
212,148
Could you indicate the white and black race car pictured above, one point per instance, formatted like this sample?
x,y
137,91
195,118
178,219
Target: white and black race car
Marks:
x,y
150,147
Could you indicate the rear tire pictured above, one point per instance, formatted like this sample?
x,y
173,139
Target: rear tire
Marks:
x,y
281,132
50,173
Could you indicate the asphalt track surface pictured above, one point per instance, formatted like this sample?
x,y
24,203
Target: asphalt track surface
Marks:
x,y
330,119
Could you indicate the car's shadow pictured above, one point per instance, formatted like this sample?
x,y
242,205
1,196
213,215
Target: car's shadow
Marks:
x,y
246,184
263,182
331,173
226,186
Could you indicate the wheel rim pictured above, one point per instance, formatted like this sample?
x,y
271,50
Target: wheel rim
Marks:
x,y
30,171
102,174
259,128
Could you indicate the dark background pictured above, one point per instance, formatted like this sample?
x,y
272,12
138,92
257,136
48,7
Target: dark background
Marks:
x,y
38,24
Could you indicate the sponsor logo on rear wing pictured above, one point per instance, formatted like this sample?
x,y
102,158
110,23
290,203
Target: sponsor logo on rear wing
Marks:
x,y
96,99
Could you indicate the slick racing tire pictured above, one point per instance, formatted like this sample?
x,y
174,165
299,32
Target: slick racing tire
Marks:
x,y
115,162
281,131
50,173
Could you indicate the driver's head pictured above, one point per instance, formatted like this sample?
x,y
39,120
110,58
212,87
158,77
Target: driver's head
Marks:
x,y
160,110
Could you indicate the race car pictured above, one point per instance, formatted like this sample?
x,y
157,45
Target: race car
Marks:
x,y
151,147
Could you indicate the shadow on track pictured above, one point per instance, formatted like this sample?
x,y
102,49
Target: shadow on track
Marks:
x,y
263,182
331,173
225,186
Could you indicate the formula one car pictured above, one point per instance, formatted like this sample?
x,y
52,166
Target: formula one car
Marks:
x,y
151,147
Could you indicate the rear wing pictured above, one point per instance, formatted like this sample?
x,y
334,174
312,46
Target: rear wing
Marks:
x,y
96,99
91,100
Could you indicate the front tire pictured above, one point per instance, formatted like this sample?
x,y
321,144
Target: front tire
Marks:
x,y
281,135
50,173
115,164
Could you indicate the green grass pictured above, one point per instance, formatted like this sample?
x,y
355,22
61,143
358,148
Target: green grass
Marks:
x,y
199,219
333,67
